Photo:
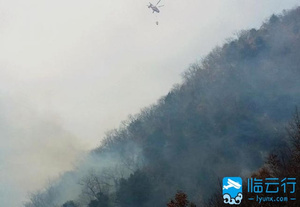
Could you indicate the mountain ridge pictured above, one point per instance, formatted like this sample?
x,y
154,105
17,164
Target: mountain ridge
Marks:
x,y
226,116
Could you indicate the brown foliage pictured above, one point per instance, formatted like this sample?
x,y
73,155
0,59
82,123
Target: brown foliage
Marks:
x,y
180,201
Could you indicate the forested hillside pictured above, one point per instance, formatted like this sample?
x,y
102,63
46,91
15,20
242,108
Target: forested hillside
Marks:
x,y
225,117
282,162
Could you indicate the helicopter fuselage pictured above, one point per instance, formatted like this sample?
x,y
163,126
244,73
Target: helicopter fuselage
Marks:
x,y
154,8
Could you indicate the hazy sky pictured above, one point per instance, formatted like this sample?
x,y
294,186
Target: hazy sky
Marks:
x,y
71,70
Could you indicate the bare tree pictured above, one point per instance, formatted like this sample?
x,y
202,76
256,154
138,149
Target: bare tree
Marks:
x,y
94,184
45,198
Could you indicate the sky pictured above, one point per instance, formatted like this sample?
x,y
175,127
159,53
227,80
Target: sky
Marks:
x,y
71,70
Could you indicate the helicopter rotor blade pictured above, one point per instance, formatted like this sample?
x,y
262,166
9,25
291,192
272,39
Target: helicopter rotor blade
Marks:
x,y
161,6
157,2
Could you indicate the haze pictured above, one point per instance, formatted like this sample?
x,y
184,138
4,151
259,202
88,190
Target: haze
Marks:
x,y
71,70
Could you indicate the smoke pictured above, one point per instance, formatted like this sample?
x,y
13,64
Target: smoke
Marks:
x,y
34,147
71,70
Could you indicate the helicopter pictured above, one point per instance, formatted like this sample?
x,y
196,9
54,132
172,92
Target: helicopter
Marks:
x,y
154,8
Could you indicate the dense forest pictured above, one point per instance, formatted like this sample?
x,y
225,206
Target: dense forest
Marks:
x,y
227,118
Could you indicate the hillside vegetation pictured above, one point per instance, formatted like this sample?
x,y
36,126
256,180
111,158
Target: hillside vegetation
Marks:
x,y
228,114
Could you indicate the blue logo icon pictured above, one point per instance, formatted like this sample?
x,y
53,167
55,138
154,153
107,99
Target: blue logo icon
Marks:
x,y
232,190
